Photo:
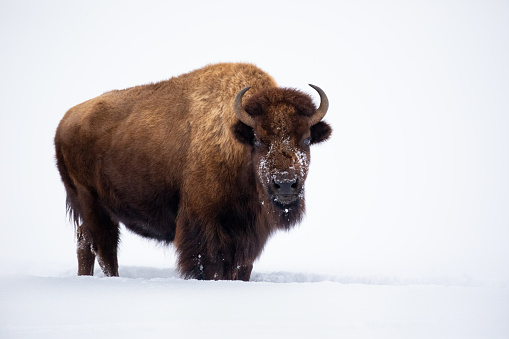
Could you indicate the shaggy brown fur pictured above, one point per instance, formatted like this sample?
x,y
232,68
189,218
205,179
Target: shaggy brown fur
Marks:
x,y
172,162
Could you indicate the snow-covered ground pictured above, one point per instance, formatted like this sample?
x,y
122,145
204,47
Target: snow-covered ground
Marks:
x,y
407,226
155,303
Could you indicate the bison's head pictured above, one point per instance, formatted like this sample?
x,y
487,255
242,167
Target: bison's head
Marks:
x,y
280,125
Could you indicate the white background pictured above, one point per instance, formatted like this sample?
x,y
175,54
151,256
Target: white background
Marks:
x,y
414,181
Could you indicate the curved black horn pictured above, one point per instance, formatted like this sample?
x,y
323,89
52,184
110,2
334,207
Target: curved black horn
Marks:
x,y
240,112
324,106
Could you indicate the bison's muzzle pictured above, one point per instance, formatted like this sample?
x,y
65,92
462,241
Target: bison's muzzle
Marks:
x,y
286,191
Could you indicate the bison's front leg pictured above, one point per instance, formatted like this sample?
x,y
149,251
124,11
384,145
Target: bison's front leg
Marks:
x,y
225,267
203,256
194,263
245,272
213,267
197,262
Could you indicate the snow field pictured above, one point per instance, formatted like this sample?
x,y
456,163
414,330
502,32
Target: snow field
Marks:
x,y
271,306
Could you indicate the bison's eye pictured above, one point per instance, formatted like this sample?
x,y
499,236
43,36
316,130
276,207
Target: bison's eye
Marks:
x,y
258,142
307,141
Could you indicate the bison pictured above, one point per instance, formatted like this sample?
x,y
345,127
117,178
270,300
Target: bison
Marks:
x,y
213,161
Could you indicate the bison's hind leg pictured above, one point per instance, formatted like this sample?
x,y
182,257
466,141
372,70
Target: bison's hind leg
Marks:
x,y
97,236
86,256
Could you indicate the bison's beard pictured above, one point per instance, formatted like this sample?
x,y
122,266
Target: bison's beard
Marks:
x,y
289,214
284,216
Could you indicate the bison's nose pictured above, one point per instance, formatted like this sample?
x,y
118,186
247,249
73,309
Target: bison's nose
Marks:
x,y
285,187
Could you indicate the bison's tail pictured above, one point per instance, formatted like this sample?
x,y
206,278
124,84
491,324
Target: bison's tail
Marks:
x,y
71,200
72,212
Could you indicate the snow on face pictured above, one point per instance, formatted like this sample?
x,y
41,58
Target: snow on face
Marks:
x,y
283,153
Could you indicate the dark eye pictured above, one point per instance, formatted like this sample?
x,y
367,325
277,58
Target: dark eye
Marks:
x,y
307,141
257,141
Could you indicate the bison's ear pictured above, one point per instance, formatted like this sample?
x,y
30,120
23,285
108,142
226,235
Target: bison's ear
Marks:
x,y
243,133
320,132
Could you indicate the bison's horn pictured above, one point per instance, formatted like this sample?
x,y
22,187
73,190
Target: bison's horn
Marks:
x,y
324,106
240,112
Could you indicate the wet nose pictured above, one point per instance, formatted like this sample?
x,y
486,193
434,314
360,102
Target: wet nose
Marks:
x,y
285,186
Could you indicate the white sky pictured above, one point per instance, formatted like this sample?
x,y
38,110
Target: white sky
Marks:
x,y
413,182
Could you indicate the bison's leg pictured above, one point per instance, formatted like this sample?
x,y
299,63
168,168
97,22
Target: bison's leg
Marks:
x,y
221,267
194,263
212,267
205,257
86,256
105,237
97,236
244,272
194,258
